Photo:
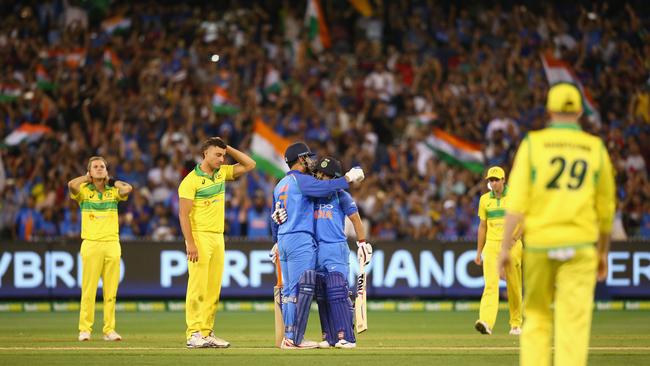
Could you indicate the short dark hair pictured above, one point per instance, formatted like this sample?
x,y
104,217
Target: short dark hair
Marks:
x,y
212,141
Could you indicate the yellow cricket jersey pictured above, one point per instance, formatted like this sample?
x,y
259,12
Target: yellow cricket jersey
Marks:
x,y
563,183
99,220
208,193
493,211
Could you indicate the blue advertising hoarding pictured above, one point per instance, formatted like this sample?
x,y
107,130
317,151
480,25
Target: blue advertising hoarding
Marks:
x,y
420,269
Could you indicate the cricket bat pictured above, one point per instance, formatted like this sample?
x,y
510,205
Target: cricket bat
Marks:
x,y
277,299
360,311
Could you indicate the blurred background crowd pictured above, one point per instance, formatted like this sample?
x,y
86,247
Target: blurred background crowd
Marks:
x,y
143,83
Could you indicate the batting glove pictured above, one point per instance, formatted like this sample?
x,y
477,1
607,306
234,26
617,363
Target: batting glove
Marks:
x,y
355,175
279,215
274,253
364,252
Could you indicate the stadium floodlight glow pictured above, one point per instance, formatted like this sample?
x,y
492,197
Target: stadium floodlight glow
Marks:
x,y
214,58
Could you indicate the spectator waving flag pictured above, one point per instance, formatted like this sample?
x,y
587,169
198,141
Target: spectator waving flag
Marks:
x,y
268,149
317,32
222,103
43,79
116,24
558,71
26,132
456,151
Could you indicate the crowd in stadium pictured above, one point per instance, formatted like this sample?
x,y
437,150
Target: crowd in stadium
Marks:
x,y
135,83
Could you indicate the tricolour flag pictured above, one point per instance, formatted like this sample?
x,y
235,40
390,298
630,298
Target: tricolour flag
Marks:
x,y
268,149
116,24
75,58
221,102
456,151
26,132
558,71
43,80
317,32
112,64
9,92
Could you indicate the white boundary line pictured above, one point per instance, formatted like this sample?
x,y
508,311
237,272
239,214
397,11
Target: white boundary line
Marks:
x,y
489,348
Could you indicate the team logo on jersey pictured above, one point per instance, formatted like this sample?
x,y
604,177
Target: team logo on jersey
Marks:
x,y
203,181
108,195
91,195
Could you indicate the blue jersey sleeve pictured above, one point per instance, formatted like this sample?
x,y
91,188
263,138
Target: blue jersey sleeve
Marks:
x,y
312,187
347,204
274,226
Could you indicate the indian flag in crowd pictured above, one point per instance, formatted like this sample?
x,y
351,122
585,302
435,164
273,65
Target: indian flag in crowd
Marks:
x,y
111,63
317,33
221,102
456,151
9,92
558,71
268,149
26,132
75,58
116,24
43,80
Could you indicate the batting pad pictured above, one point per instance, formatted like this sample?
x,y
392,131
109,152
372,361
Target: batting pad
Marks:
x,y
306,289
340,306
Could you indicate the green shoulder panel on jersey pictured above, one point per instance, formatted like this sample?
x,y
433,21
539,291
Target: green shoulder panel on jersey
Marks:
x,y
211,191
98,206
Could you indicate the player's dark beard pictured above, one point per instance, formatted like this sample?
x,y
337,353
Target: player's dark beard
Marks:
x,y
309,164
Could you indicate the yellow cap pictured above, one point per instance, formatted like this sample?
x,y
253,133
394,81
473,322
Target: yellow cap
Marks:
x,y
564,98
495,172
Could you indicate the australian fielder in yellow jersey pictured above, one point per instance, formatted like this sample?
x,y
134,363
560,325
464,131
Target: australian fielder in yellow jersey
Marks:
x,y
492,211
201,214
562,187
98,196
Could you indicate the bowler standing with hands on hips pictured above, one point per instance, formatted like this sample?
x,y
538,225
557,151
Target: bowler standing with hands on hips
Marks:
x,y
201,213
98,195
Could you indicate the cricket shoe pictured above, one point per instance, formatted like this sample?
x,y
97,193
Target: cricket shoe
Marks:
x,y
342,343
197,341
112,336
84,336
216,342
515,331
482,327
288,344
324,344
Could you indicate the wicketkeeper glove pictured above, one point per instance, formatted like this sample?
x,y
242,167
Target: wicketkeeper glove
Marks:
x,y
355,175
279,215
364,253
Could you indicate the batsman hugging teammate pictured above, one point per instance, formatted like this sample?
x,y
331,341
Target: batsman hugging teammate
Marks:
x,y
296,241
332,258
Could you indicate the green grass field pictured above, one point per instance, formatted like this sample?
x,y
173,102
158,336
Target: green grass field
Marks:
x,y
394,338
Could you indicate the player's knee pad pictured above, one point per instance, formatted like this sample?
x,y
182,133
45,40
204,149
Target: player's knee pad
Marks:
x,y
340,306
306,289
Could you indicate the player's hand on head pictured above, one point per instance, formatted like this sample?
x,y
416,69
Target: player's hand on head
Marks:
x,y
354,175
364,252
274,253
279,215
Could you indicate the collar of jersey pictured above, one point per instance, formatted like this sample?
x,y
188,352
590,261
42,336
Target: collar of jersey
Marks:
x,y
566,126
201,173
294,172
503,194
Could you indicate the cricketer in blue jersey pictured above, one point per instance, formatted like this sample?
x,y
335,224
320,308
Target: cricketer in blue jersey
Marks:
x,y
332,259
295,239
